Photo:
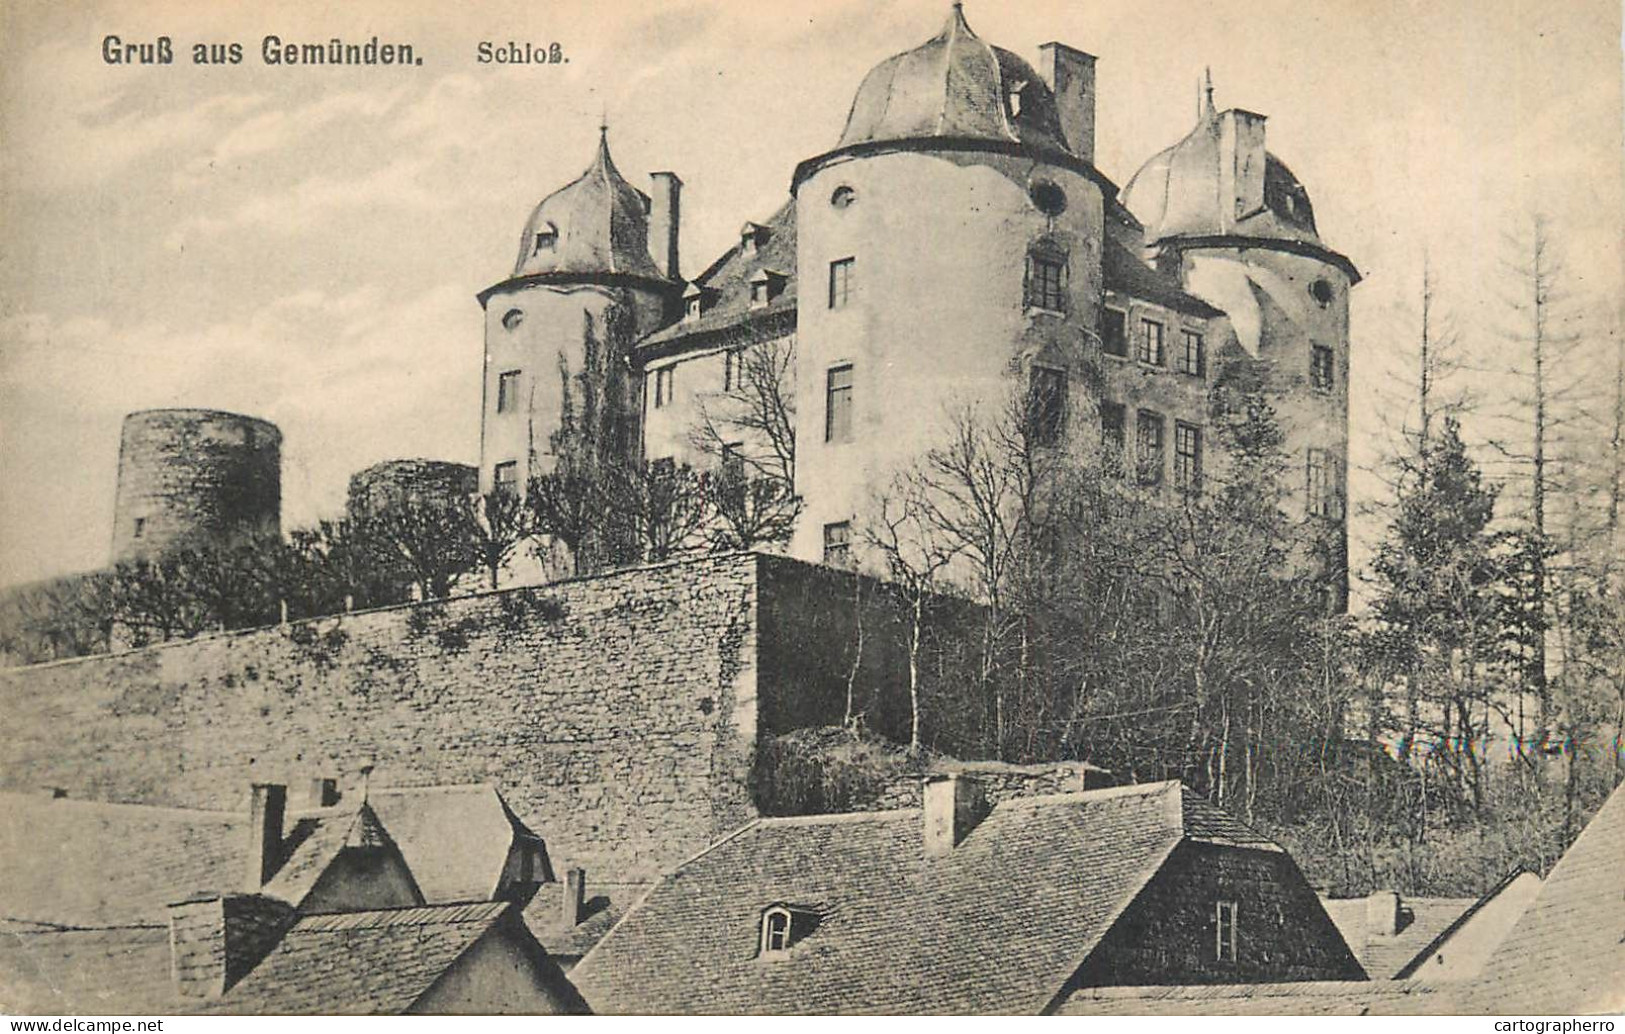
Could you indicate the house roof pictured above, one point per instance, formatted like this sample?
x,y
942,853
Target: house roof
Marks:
x,y
455,839
118,970
1308,998
1567,952
1383,956
726,284
996,925
91,864
73,863
360,963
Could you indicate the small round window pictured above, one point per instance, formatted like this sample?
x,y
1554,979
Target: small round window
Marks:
x,y
843,197
1321,291
1048,198
512,318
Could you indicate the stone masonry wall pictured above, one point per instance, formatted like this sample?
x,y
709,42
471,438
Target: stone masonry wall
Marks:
x,y
617,714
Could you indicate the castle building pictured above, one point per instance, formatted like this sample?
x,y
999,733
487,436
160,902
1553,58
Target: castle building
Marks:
x,y
957,247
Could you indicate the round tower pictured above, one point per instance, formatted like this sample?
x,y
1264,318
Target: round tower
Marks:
x,y
949,253
195,476
587,283
394,482
1239,230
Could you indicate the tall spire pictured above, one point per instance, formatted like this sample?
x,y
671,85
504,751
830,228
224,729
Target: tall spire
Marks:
x,y
1207,90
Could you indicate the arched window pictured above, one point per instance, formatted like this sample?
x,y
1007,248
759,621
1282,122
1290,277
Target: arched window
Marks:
x,y
843,197
512,318
776,923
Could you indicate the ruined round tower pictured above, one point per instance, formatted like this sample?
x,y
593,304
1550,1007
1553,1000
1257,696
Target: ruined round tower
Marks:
x,y
195,476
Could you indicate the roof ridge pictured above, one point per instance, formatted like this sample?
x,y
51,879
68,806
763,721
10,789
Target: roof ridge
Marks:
x,y
81,802
1103,793
837,817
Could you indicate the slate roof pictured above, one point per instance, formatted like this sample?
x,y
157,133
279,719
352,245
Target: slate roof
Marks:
x,y
996,925
360,963
729,308
1309,998
90,864
1177,193
954,86
455,839
601,222
1383,956
1122,271
94,972
1567,952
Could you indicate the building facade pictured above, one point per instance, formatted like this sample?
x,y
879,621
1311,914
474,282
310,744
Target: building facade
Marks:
x,y
957,248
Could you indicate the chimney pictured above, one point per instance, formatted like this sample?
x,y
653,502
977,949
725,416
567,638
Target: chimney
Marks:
x,y
323,792
1072,76
1382,913
665,212
1241,164
215,941
575,898
954,804
267,807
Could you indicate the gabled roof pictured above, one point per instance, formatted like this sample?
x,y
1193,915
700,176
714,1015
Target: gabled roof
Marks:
x,y
91,864
1567,952
361,963
455,839
118,970
996,925
315,841
1384,956
728,279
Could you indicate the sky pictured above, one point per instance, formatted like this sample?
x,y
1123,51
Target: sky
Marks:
x,y
304,244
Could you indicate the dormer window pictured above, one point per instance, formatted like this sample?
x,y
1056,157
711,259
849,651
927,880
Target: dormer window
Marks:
x,y
693,310
784,926
1012,98
696,300
547,236
751,238
765,286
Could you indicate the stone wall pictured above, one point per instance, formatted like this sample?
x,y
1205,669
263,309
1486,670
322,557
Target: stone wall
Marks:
x,y
617,714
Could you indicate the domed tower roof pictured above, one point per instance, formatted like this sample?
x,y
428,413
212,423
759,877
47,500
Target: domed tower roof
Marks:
x,y
955,86
599,223
1208,184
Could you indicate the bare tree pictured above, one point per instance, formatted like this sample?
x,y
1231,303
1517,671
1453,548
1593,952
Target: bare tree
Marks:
x,y
749,429
496,523
664,505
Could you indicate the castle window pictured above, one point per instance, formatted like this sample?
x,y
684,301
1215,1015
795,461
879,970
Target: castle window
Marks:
x,y
664,378
843,197
512,318
1046,405
1113,417
505,478
1187,457
547,235
693,310
1046,279
1148,437
140,526
1114,333
838,543
1321,490
1048,198
1224,931
1151,343
730,370
507,391
838,404
1321,291
1321,368
1193,356
840,282
733,462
